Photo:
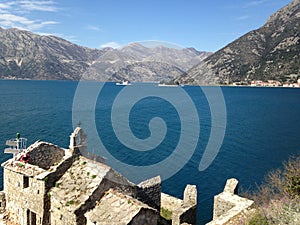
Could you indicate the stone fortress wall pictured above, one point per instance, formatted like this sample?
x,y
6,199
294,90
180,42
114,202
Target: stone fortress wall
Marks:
x,y
66,186
229,207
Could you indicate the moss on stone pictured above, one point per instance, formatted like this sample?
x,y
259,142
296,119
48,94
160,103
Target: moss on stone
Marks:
x,y
165,213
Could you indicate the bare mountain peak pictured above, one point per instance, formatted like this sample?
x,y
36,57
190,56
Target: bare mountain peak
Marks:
x,y
134,45
286,13
270,52
137,62
25,55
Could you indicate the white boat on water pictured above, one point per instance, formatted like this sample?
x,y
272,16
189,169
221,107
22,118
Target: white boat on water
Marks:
x,y
170,85
124,83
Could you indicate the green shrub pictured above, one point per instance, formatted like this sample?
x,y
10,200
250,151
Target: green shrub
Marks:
x,y
258,218
71,202
165,213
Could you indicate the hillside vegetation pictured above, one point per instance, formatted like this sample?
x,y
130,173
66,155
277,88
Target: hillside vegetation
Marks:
x,y
278,198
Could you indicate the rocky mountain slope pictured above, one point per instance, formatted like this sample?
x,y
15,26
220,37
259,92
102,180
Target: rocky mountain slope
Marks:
x,y
25,55
138,63
270,52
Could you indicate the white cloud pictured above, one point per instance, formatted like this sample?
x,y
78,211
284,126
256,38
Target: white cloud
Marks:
x,y
245,17
11,20
111,44
94,28
39,25
255,3
6,5
17,14
14,19
48,6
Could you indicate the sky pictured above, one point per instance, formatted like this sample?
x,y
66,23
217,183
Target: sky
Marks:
x,y
204,25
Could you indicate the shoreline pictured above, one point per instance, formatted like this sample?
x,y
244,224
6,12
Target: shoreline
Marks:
x,y
154,82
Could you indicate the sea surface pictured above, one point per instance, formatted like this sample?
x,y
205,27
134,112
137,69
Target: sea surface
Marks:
x,y
260,128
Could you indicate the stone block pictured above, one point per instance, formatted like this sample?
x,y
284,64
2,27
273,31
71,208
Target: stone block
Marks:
x,y
231,186
190,195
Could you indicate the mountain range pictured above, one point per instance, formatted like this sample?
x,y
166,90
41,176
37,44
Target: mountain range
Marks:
x,y
25,55
138,63
271,52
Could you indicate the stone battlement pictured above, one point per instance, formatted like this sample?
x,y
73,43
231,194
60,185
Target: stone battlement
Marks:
x,y
183,211
71,186
228,205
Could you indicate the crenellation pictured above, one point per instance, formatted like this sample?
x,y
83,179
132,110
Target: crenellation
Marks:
x,y
231,186
228,205
183,211
190,195
61,186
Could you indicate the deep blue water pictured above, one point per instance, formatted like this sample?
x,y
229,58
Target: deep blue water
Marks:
x,y
262,130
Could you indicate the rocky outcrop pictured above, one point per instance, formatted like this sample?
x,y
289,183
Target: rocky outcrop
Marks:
x,y
270,52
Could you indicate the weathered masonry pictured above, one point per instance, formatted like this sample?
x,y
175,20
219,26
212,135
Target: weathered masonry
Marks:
x,y
58,186
228,206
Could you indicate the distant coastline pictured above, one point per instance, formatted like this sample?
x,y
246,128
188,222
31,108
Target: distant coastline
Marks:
x,y
292,85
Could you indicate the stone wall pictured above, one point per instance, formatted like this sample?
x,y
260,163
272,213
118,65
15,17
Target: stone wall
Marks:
x,y
24,196
2,201
27,195
61,215
149,192
145,217
228,205
117,208
33,196
223,205
50,180
105,185
183,211
58,172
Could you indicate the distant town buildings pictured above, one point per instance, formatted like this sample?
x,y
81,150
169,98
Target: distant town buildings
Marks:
x,y
268,83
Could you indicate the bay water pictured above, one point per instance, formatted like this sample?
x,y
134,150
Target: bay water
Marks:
x,y
262,129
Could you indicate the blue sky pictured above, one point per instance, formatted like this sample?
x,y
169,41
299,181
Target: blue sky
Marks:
x,y
205,25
